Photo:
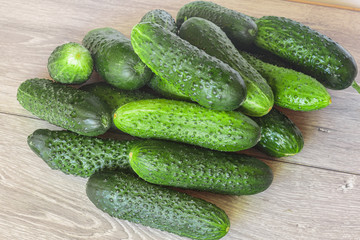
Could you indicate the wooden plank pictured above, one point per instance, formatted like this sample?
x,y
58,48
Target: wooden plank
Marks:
x,y
40,203
349,4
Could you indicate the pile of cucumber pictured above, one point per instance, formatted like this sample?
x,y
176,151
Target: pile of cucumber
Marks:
x,y
190,94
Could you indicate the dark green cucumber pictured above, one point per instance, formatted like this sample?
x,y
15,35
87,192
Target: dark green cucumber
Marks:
x,y
210,38
127,197
163,88
64,106
190,167
115,59
315,54
162,18
188,123
116,97
241,29
191,71
293,90
280,137
79,155
70,63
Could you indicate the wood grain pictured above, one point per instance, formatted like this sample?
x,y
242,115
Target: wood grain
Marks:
x,y
315,194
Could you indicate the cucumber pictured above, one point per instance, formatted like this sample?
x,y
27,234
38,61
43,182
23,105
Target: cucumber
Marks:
x,y
210,38
115,60
127,197
116,97
292,89
79,155
70,63
280,137
188,123
162,18
192,72
163,88
185,166
64,106
241,29
315,54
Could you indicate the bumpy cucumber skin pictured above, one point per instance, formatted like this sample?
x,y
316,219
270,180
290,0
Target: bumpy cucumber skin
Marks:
x,y
240,28
280,137
70,63
163,88
293,90
64,106
190,167
116,97
315,54
210,38
188,123
79,155
115,59
162,18
205,79
127,197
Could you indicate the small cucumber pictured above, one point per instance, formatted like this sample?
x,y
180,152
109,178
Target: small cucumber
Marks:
x,y
280,137
162,18
188,123
115,59
241,29
64,106
210,38
191,71
127,197
190,167
70,63
79,155
293,90
315,54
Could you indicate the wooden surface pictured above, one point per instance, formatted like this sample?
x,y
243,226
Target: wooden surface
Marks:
x,y
315,194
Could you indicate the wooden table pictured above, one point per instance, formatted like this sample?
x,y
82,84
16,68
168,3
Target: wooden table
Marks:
x,y
315,194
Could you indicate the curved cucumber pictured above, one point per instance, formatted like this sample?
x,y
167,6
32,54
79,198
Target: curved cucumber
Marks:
x,y
115,59
70,63
315,54
279,135
293,90
127,197
190,167
240,28
188,123
79,155
64,106
162,18
203,78
210,38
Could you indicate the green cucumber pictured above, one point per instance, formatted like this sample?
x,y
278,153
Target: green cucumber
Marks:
x,y
315,54
70,63
192,72
280,137
188,123
116,97
64,106
240,28
162,18
79,155
115,60
292,89
185,166
127,197
210,38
